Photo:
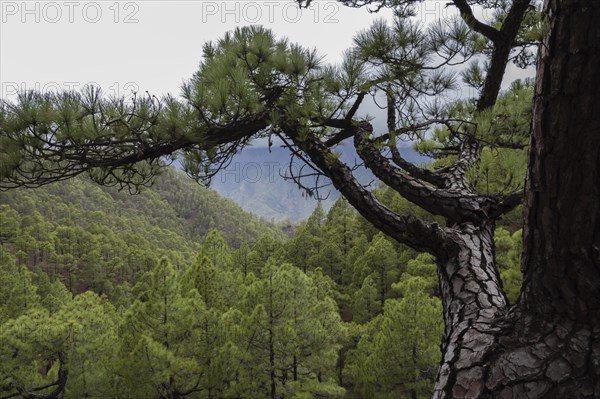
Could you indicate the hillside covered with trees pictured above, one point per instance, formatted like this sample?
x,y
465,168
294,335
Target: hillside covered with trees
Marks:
x,y
132,297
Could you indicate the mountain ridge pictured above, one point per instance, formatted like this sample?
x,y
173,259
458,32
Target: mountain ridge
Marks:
x,y
254,181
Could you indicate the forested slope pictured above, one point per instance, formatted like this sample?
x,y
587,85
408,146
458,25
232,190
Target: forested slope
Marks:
x,y
121,296
95,236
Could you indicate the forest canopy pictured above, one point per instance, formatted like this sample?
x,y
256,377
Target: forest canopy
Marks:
x,y
74,261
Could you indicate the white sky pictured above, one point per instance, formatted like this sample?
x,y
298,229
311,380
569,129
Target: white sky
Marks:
x,y
151,44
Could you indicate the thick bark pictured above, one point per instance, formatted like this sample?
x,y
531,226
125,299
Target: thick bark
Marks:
x,y
455,205
562,234
474,303
548,345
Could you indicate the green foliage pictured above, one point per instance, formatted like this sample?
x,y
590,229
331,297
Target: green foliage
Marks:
x,y
93,237
508,258
366,301
267,247
167,337
398,351
93,323
203,277
377,269
292,333
17,292
10,224
216,250
79,333
424,267
499,172
31,345
217,322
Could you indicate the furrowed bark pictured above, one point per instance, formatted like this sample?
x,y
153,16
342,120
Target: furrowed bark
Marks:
x,y
563,185
548,345
415,171
456,206
500,54
474,308
467,15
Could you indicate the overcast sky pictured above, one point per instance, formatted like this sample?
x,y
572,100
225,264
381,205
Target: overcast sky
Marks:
x,y
150,45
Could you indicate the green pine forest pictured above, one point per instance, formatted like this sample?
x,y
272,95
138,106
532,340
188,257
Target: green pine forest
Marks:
x,y
178,293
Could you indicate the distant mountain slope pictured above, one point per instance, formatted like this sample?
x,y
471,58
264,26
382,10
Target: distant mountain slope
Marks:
x,y
174,203
253,180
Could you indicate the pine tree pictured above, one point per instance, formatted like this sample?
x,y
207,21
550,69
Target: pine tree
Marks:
x,y
398,353
34,357
165,339
305,249
290,333
17,291
265,248
10,224
91,346
35,348
340,226
380,263
217,250
204,277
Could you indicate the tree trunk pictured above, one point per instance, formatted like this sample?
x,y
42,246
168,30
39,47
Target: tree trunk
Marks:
x,y
548,344
474,302
272,375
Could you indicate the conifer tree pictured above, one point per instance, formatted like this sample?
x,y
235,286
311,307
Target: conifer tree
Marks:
x,y
340,226
17,291
291,333
398,353
163,346
35,340
91,346
217,250
379,262
10,224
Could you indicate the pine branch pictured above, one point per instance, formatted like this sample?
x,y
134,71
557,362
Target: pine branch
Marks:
x,y
410,230
457,206
466,13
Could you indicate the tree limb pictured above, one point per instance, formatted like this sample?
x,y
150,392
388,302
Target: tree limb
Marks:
x,y
415,171
507,203
50,159
60,384
470,149
409,230
467,15
455,206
